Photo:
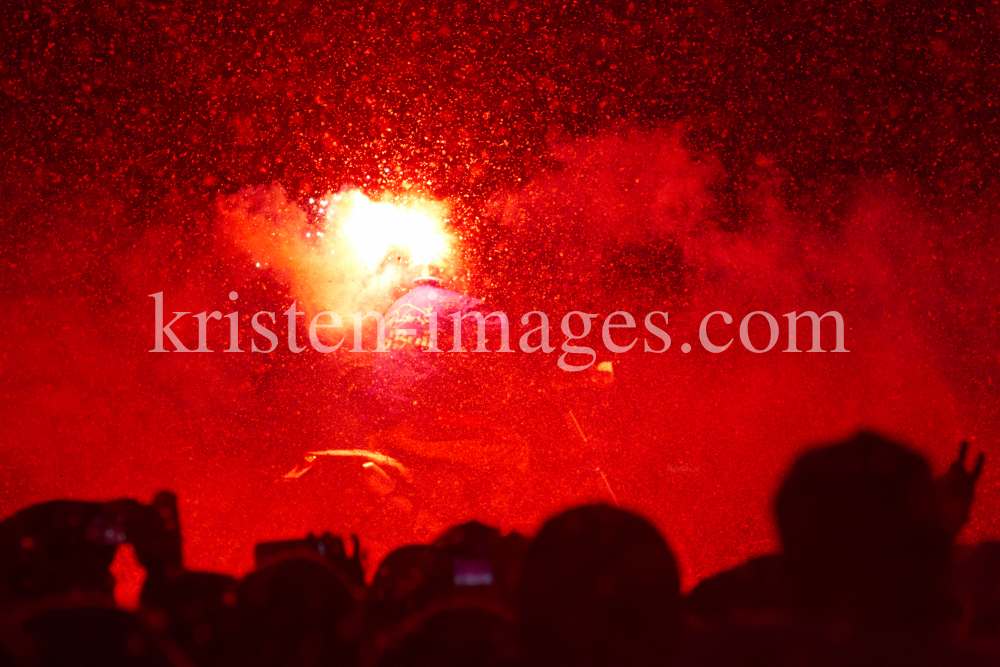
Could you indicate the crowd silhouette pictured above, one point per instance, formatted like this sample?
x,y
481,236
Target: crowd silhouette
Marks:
x,y
868,574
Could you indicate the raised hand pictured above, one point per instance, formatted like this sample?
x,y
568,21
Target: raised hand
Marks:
x,y
958,488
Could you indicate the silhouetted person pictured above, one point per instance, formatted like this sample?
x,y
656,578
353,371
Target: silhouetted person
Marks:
x,y
58,547
599,586
461,632
91,636
483,559
198,612
753,592
865,539
978,581
195,609
54,561
155,533
298,612
407,580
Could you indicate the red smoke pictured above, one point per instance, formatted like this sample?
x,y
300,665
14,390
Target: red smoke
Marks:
x,y
627,220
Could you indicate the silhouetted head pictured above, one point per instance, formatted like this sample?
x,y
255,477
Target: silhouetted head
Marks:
x,y
471,536
408,579
599,586
56,547
862,534
977,574
751,592
88,636
197,610
298,612
462,632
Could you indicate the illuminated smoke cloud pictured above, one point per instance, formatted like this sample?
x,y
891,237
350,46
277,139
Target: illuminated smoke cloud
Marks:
x,y
622,185
901,273
349,253
640,188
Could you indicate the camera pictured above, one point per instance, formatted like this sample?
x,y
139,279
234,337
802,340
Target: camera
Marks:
x,y
326,546
64,545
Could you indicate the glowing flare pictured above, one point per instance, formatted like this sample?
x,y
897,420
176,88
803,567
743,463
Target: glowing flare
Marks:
x,y
375,228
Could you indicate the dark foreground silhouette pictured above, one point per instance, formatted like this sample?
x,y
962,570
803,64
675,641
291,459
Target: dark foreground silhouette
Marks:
x,y
868,575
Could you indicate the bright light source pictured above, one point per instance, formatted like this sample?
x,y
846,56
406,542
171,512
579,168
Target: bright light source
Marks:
x,y
375,228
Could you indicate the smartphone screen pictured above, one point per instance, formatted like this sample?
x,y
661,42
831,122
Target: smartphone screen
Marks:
x,y
108,529
472,571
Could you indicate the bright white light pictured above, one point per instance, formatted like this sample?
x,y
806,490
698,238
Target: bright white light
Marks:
x,y
373,228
